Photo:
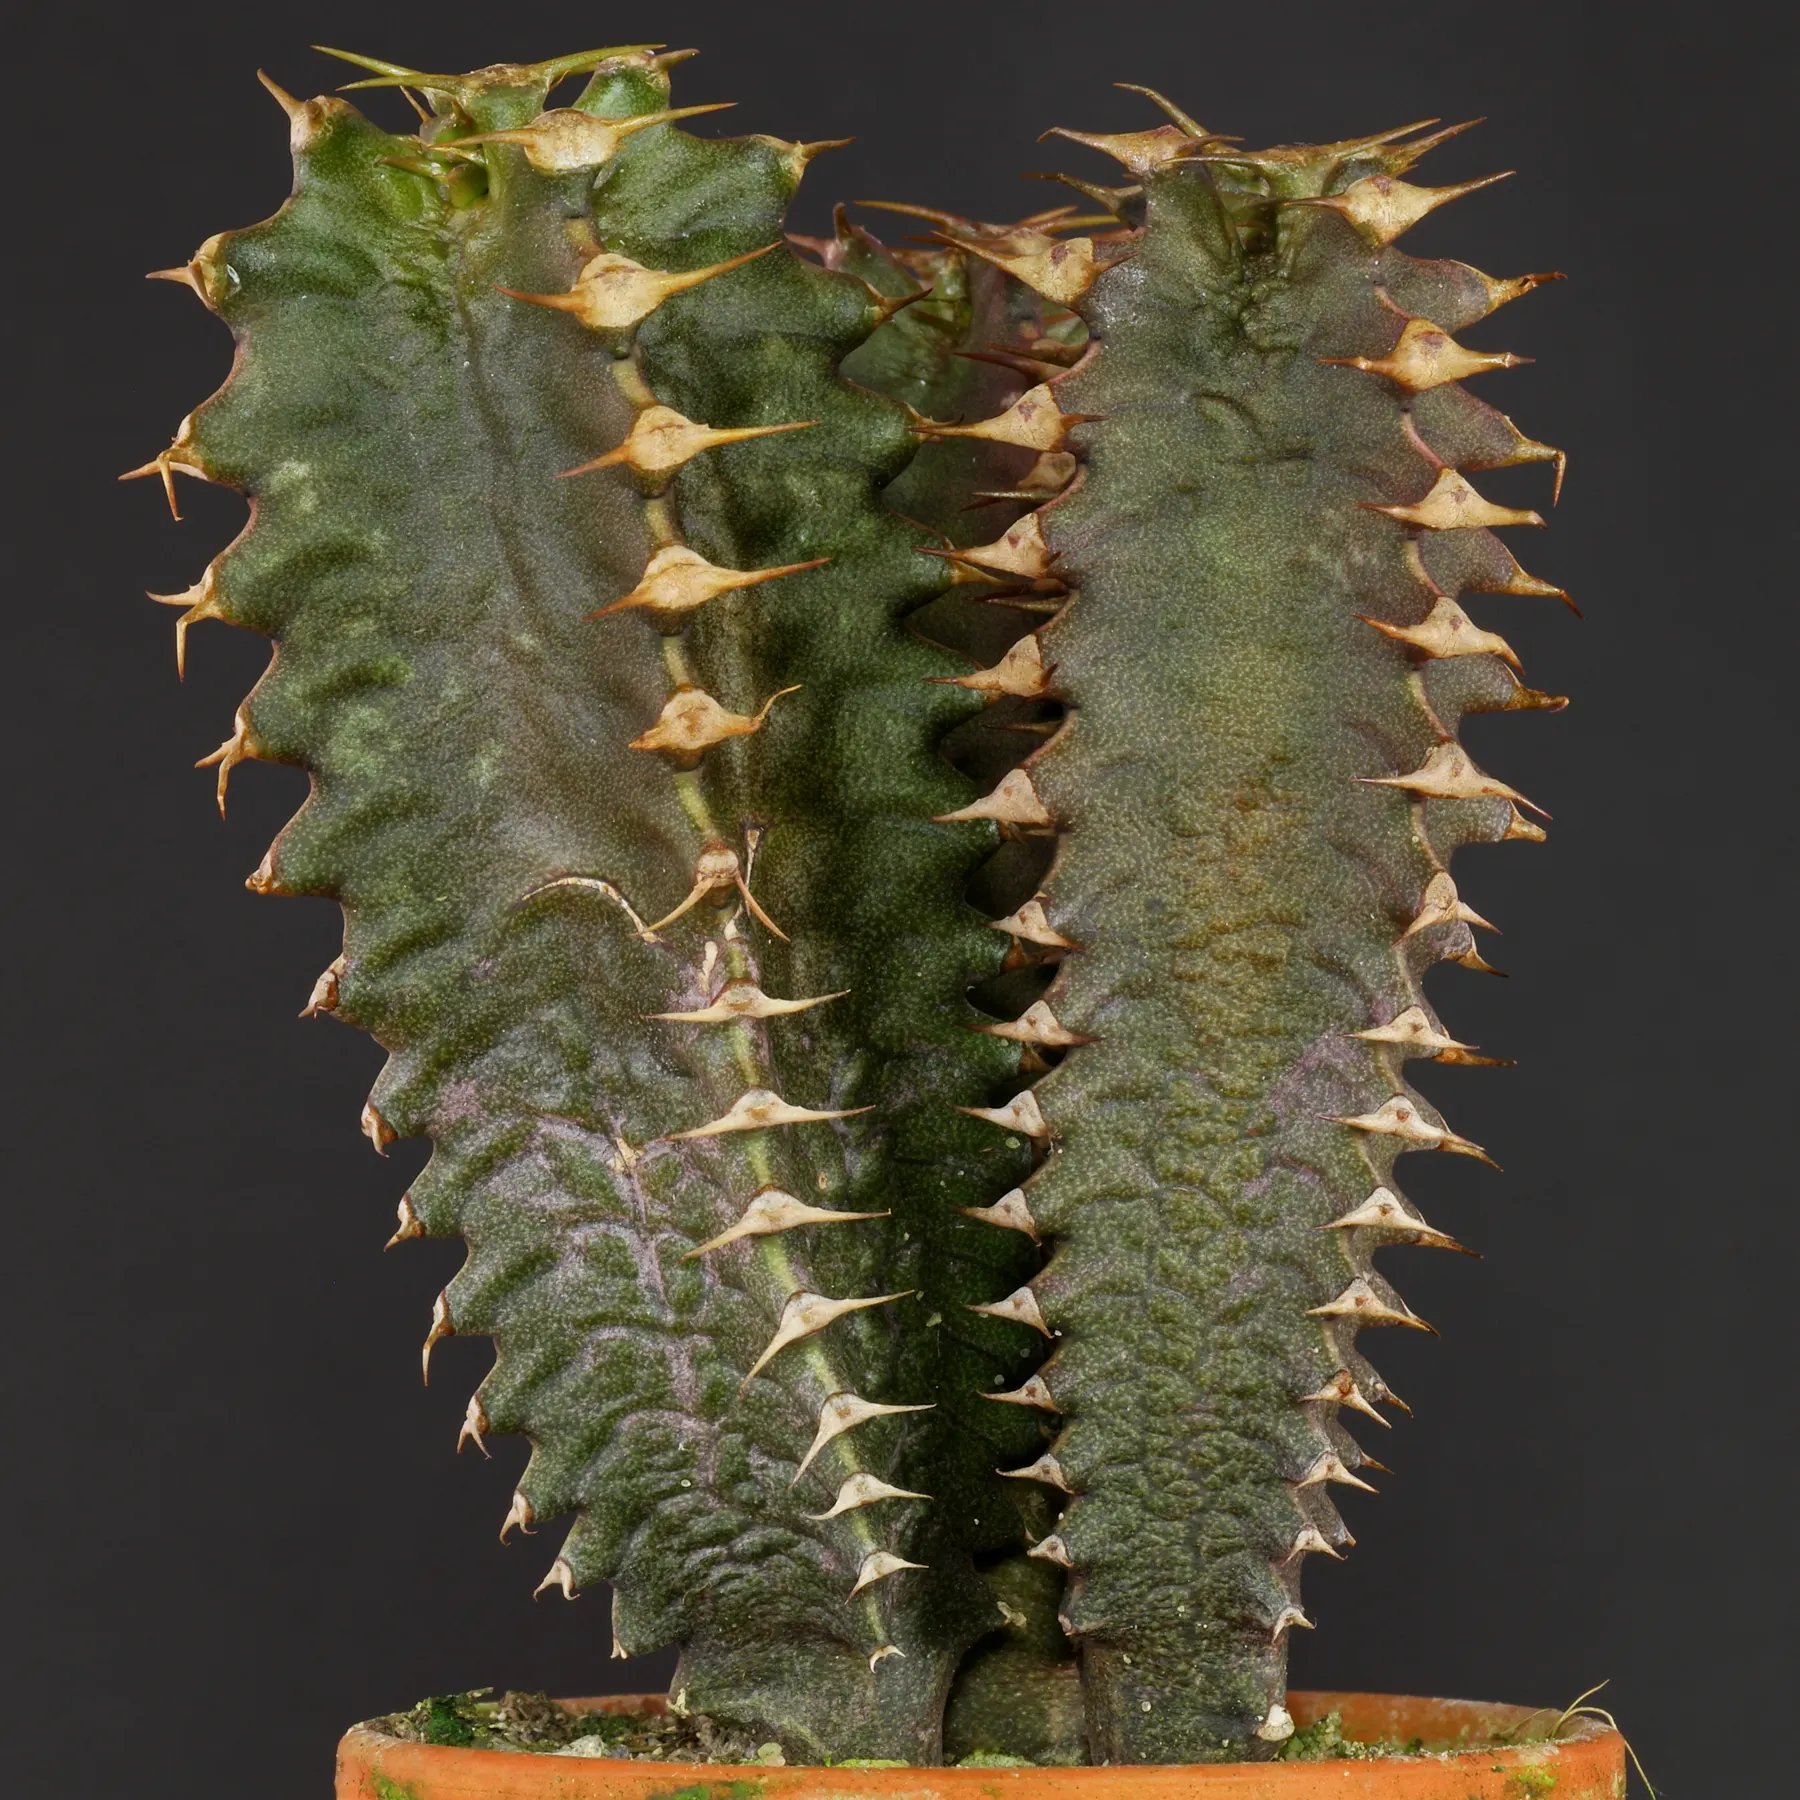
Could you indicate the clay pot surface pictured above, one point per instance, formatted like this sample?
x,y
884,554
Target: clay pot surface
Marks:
x,y
1586,1763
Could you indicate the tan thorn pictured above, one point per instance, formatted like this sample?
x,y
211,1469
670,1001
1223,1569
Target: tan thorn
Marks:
x,y
1412,1030
410,1225
758,1110
861,1490
613,293
565,140
1452,505
376,1129
881,1655
440,1328
661,440
201,602
1034,1392
1278,1724
1400,1118
1382,1211
1359,1301
1046,1469
844,1412
1473,959
1019,1114
1383,206
1030,924
1516,581
1520,829
1329,1466
1142,152
1341,1390
1501,290
1037,1025
1009,1212
1020,1307
692,721
198,273
1020,672
1448,773
1310,1541
1062,269
1292,1617
1447,631
716,870
520,1515
878,1565
1185,120
239,747
166,465
1052,1550
1033,422
678,580
263,879
1440,904
560,1576
474,1426
1014,802
1427,356
1020,551
743,999
770,1211
324,995
806,1313
618,1653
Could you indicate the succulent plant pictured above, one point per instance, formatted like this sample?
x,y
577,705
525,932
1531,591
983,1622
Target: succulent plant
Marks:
x,y
890,808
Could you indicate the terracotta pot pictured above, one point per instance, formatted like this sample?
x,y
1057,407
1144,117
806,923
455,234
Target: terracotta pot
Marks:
x,y
1586,1763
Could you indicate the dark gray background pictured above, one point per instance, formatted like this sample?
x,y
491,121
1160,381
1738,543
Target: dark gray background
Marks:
x,y
236,1523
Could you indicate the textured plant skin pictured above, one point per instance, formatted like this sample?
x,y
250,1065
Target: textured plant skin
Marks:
x,y
1251,881
688,690
401,412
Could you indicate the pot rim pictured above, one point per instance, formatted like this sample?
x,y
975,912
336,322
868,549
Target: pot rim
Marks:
x,y
1587,1762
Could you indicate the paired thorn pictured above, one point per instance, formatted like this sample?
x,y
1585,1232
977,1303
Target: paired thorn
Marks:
x,y
1359,1301
758,1110
1144,153
1449,773
677,580
1020,1114
1328,1466
1310,1541
1030,925
239,747
1009,1212
1033,1392
1021,551
804,1314
716,871
1447,631
692,722
1037,1025
844,1412
743,999
1052,1550
441,1327
410,1225
1411,1029
1341,1390
560,1576
565,141
863,1490
376,1129
1382,1211
661,440
1032,422
1046,1469
1014,802
1383,207
1427,356
1020,1307
877,1566
613,293
1020,673
324,995
771,1211
520,1515
1453,505
201,601
1400,1118
475,1427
